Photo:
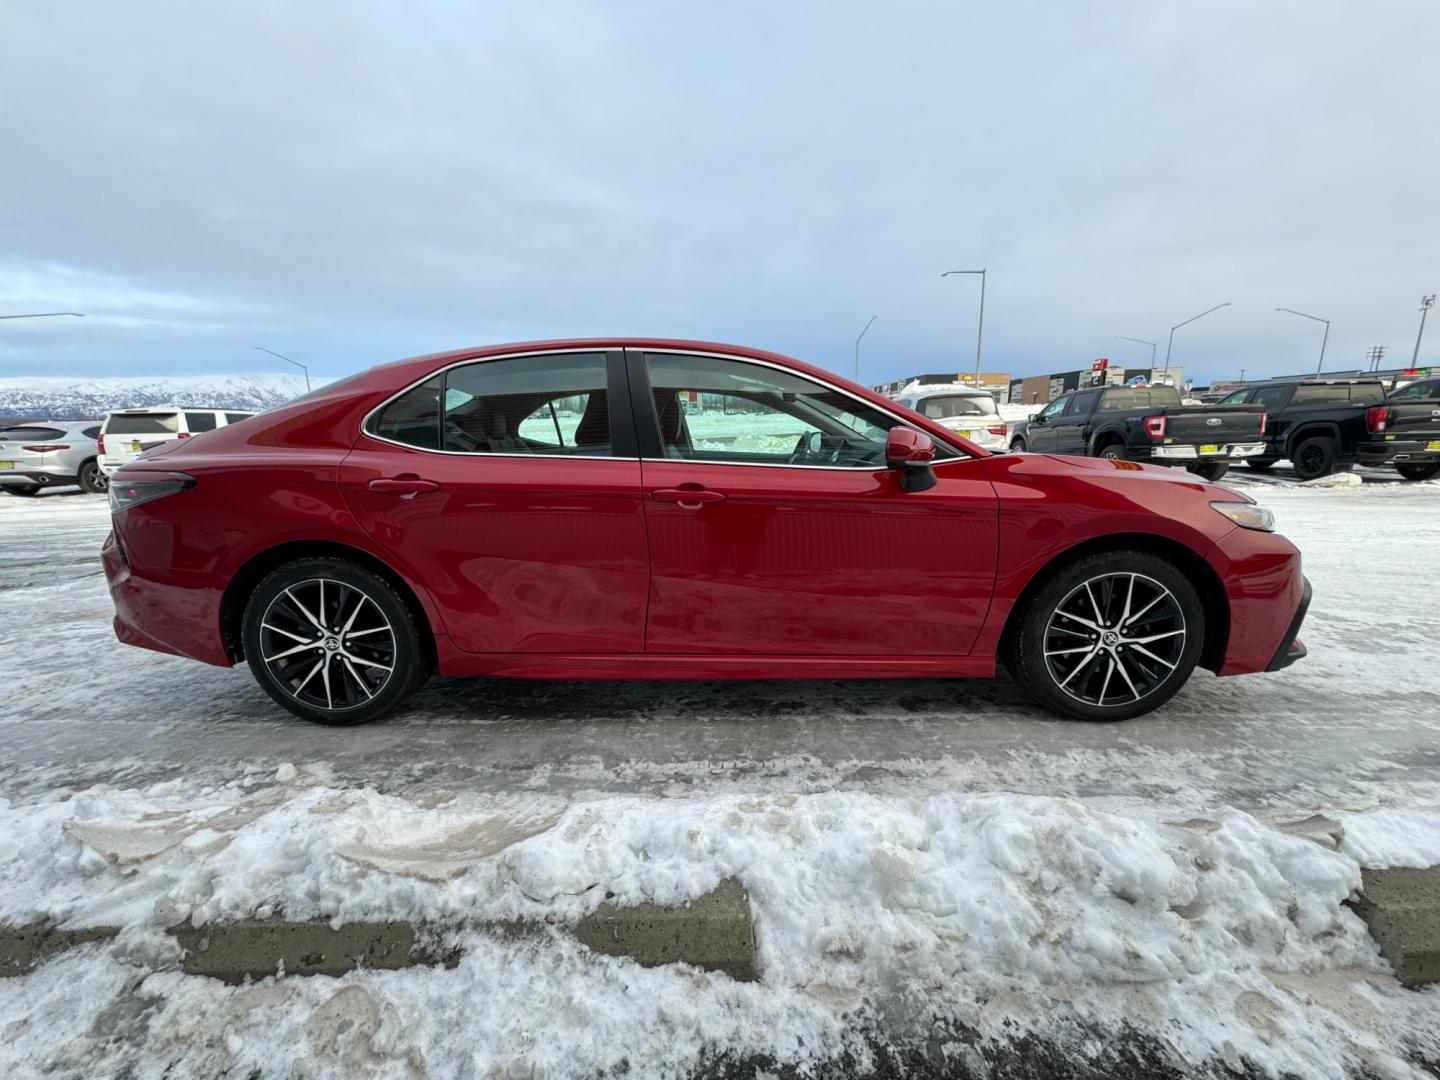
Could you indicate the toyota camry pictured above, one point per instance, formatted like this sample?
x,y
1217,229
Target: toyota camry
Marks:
x,y
655,509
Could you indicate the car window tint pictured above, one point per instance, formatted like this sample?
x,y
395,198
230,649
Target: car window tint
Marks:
x,y
1272,397
715,409
413,418
529,405
142,424
1417,391
1311,393
196,422
236,417
92,432
1240,397
1055,408
25,434
1122,398
944,406
1082,403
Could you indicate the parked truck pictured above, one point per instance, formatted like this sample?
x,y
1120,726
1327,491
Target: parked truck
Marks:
x,y
1145,424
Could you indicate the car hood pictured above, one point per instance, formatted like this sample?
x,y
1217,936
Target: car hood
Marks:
x,y
1150,473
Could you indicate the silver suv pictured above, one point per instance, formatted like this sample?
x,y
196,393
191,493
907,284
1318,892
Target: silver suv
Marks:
x,y
50,453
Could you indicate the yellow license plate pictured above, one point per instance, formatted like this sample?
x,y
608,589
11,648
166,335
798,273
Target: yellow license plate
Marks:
x,y
7,464
1433,444
135,446
964,434
1210,448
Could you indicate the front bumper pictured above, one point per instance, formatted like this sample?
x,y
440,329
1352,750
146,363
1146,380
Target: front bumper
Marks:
x,y
1222,452
1394,450
1292,648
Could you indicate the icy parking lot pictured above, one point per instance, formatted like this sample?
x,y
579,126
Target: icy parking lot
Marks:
x,y
934,864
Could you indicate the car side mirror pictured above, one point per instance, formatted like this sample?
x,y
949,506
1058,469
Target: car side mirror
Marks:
x,y
911,452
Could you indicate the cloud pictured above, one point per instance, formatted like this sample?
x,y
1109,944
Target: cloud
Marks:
x,y
351,183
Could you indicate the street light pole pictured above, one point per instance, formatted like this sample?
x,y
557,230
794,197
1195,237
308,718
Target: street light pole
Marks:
x,y
44,315
1326,338
857,346
1426,303
1177,326
980,330
287,359
1141,341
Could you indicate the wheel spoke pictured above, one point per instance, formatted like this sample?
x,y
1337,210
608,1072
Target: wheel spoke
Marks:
x,y
1069,652
1153,637
1080,666
291,651
306,681
361,633
356,676
367,663
287,633
345,631
1120,664
1098,617
304,611
1146,652
1136,617
1106,684
1078,619
325,675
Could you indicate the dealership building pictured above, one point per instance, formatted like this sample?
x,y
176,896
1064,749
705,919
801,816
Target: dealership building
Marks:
x,y
1038,389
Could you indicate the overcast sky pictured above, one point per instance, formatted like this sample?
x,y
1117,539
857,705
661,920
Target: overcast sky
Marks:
x,y
346,184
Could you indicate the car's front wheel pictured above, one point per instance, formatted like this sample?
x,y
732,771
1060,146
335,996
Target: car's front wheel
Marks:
x,y
92,480
333,642
23,489
1111,636
1017,446
1210,470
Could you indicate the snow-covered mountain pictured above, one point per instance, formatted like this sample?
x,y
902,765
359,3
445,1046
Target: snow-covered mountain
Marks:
x,y
66,399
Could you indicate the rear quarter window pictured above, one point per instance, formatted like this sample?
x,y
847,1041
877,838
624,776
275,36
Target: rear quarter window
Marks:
x,y
1159,397
142,424
196,422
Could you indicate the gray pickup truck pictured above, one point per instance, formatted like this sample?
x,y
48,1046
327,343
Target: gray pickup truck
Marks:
x,y
1145,424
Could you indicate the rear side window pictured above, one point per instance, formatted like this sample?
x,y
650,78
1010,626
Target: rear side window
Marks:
x,y
413,418
91,432
142,424
197,422
1309,394
1081,403
236,417
1272,397
26,434
528,405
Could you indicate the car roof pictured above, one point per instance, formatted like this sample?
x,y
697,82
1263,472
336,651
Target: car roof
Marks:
x,y
1303,382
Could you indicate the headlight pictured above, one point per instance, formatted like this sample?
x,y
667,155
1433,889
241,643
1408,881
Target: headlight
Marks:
x,y
1247,515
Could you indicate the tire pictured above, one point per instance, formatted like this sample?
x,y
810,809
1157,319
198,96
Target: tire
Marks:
x,y
1314,458
91,480
1260,464
1114,451
1210,470
363,674
28,490
1053,618
1417,471
1018,446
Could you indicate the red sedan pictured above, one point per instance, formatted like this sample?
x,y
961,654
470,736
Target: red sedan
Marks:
x,y
648,509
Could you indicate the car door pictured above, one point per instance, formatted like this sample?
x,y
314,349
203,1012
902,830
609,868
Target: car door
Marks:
x,y
1071,429
510,489
776,529
1042,435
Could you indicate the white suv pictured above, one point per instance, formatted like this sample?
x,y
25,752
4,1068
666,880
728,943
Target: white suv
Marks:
x,y
970,413
128,431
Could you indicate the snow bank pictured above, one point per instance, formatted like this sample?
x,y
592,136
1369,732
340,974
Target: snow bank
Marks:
x,y
977,911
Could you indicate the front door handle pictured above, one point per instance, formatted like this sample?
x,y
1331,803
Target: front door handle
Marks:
x,y
403,485
686,498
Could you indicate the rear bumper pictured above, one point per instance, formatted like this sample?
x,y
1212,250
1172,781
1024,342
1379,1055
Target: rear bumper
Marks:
x,y
1224,452
1389,451
1292,649
170,612
38,474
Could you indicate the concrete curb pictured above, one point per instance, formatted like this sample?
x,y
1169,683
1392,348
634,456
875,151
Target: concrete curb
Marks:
x,y
714,932
1402,909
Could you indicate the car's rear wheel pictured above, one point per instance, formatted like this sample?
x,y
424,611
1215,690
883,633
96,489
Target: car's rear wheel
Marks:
x,y
333,642
1114,451
92,480
1111,636
1210,470
1418,471
1314,458
1018,446
23,489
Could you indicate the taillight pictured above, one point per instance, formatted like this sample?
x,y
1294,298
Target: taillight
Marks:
x,y
1155,426
100,444
1001,430
45,448
141,487
1264,422
1376,417
183,435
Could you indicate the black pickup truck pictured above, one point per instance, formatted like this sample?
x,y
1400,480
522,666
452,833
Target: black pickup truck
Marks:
x,y
1409,435
1144,424
1328,425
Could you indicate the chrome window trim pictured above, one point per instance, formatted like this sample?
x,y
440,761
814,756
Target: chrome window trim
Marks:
x,y
365,420
960,455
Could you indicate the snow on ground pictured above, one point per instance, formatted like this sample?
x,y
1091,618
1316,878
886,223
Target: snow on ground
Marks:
x,y
915,851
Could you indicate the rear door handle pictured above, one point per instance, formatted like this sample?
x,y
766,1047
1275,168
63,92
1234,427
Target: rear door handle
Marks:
x,y
403,485
686,499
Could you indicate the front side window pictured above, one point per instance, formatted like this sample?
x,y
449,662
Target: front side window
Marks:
x,y
197,422
1055,408
714,409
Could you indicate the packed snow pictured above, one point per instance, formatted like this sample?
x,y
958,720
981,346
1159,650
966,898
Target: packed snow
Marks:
x,y
933,863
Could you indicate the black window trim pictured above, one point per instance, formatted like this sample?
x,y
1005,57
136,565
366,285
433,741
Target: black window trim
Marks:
x,y
613,361
652,451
